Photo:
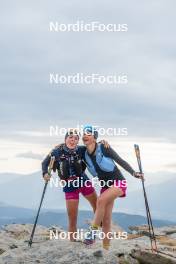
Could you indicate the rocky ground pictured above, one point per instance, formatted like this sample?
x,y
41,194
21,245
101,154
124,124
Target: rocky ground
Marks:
x,y
134,250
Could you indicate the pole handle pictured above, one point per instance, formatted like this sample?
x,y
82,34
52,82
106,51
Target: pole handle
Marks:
x,y
138,156
51,164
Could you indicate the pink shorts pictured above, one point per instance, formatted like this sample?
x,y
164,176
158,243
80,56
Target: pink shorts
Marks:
x,y
122,184
85,190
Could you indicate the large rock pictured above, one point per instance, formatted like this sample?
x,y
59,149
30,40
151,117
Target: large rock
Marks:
x,y
152,258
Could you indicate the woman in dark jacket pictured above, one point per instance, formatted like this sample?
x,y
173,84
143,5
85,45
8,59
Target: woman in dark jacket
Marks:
x,y
68,163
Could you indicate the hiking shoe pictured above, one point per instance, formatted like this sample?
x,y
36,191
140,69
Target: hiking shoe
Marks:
x,y
90,236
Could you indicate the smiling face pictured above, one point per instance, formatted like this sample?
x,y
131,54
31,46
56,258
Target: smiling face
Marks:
x,y
88,139
72,141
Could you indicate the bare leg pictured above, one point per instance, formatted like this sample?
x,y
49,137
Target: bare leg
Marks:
x,y
92,198
72,210
103,200
106,227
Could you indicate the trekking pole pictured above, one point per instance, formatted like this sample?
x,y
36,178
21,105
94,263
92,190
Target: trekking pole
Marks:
x,y
41,201
149,218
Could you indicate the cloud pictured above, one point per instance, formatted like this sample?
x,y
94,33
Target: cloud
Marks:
x,y
146,53
171,166
30,155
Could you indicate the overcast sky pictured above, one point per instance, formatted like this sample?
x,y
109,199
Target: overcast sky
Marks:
x,y
29,105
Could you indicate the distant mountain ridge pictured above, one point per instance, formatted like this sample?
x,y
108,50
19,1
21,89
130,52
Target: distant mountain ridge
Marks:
x,y
17,215
161,197
25,191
